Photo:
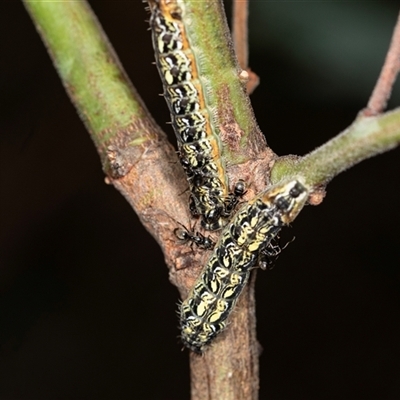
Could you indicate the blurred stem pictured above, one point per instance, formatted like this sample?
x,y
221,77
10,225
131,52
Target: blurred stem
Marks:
x,y
240,31
240,23
383,88
366,137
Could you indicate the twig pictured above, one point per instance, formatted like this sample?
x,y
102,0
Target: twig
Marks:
x,y
241,42
383,88
240,31
365,138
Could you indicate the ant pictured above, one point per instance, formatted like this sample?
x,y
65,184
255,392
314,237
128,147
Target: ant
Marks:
x,y
233,198
201,241
269,254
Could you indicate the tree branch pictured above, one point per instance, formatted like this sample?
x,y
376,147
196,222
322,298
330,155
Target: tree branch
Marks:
x,y
134,151
144,167
365,138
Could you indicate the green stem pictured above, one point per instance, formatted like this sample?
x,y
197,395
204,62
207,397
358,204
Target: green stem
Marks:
x,y
91,73
365,138
211,40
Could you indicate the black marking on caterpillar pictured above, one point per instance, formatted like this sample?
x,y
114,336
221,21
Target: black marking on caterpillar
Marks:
x,y
204,313
198,143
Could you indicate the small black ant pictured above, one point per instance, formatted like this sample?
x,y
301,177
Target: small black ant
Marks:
x,y
269,254
233,198
201,241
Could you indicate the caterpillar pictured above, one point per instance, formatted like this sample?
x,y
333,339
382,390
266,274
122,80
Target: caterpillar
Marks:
x,y
246,239
198,143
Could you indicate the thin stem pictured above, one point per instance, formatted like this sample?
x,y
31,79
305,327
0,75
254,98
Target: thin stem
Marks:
x,y
241,43
240,31
383,88
366,137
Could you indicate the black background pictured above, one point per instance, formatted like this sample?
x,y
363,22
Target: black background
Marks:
x,y
86,308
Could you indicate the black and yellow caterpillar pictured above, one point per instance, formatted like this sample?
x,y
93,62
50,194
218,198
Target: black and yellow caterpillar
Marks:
x,y
204,313
192,120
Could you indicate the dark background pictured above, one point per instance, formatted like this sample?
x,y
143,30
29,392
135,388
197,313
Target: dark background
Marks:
x,y
86,308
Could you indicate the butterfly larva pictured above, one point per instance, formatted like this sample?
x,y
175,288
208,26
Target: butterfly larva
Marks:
x,y
204,313
198,144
